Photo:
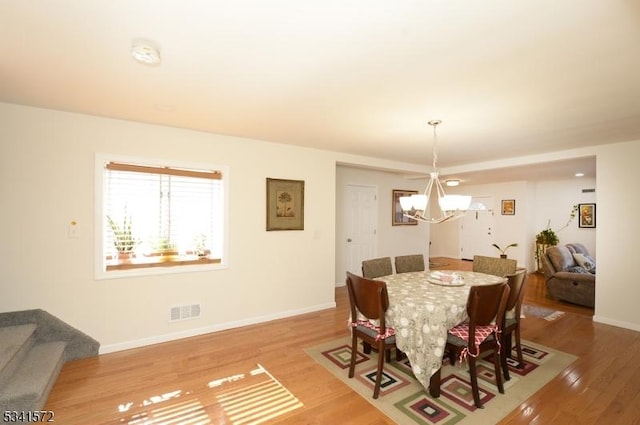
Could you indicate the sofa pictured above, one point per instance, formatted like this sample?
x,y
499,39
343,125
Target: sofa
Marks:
x,y
570,274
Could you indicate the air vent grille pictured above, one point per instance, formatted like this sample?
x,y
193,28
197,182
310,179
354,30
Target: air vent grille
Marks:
x,y
588,190
183,312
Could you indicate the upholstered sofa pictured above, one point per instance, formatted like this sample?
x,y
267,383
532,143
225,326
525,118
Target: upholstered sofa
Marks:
x,y
570,274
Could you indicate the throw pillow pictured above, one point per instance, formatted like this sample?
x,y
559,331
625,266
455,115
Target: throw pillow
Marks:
x,y
584,261
576,269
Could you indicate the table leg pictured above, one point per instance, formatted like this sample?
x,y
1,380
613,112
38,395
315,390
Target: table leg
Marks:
x,y
434,384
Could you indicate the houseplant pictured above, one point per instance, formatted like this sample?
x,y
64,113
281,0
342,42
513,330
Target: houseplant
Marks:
x,y
503,251
548,237
123,239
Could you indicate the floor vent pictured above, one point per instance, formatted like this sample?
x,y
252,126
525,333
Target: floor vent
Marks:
x,y
183,312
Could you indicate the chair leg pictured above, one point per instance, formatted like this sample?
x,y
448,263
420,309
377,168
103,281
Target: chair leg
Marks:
x,y
506,349
474,382
366,347
434,384
381,356
354,354
519,349
496,368
452,357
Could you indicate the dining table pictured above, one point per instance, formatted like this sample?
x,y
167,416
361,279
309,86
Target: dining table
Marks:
x,y
422,308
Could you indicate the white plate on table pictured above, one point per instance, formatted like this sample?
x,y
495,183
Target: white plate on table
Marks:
x,y
441,283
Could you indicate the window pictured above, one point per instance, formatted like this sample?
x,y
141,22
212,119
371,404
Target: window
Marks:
x,y
157,218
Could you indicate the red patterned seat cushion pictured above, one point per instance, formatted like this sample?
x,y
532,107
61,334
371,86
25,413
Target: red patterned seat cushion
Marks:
x,y
461,331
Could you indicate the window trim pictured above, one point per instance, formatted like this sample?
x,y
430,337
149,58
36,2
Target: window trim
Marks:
x,y
103,271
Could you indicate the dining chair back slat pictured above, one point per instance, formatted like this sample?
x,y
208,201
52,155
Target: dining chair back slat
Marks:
x,y
377,267
494,265
370,299
409,263
486,309
517,282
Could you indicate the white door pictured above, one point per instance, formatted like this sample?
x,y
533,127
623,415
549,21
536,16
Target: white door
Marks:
x,y
361,218
476,231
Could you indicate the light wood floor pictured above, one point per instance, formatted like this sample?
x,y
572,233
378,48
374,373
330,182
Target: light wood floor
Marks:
x,y
128,387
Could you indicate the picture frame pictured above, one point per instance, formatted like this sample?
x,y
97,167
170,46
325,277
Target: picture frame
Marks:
x,y
397,215
285,204
508,207
587,215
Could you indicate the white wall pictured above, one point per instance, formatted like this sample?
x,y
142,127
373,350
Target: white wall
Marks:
x,y
537,202
46,180
618,232
392,240
507,229
554,200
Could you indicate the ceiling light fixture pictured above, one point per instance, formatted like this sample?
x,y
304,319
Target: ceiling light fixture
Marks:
x,y
451,206
145,53
452,183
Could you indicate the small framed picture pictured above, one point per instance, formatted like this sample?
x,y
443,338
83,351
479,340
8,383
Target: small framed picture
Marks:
x,y
508,207
397,215
587,215
285,204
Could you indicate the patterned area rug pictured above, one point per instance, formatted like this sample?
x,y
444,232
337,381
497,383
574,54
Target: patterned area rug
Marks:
x,y
405,401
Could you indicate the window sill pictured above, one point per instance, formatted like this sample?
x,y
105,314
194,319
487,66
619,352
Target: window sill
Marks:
x,y
160,261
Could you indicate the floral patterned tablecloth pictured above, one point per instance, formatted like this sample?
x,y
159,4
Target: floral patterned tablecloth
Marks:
x,y
422,312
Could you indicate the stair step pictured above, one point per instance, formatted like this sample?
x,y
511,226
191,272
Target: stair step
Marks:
x,y
16,342
30,384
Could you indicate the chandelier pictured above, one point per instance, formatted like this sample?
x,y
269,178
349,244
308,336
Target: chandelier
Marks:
x,y
451,206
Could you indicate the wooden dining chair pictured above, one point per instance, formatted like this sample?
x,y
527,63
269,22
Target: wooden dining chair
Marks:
x,y
370,299
466,341
494,265
409,263
511,325
377,267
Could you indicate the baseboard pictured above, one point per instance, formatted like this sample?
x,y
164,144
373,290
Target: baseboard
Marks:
x,y
617,323
111,348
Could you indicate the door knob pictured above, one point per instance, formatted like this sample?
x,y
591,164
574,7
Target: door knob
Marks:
x,y
349,240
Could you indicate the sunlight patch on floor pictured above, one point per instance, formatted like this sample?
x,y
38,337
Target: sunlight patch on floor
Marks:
x,y
257,399
240,399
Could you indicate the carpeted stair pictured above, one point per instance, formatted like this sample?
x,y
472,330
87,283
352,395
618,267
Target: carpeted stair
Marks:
x,y
33,347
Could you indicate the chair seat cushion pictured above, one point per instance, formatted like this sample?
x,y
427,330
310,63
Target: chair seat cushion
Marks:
x,y
373,331
459,336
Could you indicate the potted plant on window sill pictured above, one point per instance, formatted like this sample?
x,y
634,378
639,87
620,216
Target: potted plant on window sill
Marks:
x,y
503,251
123,239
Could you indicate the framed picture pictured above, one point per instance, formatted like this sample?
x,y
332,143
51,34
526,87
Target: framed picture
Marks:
x,y
285,204
508,207
397,216
587,215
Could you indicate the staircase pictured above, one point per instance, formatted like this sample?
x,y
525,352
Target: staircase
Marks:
x,y
33,347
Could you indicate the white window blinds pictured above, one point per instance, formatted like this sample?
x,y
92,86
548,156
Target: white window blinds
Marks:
x,y
161,216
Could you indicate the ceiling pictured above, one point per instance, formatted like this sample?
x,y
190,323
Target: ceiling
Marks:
x,y
507,78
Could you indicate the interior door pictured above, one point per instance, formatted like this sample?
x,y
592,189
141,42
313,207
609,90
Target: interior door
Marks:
x,y
476,230
361,218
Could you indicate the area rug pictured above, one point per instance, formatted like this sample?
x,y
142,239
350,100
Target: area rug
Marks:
x,y
547,314
405,401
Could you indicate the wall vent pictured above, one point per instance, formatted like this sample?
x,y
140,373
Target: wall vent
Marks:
x,y
183,312
588,190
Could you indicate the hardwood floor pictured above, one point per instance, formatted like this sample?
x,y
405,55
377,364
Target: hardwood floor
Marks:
x,y
173,379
